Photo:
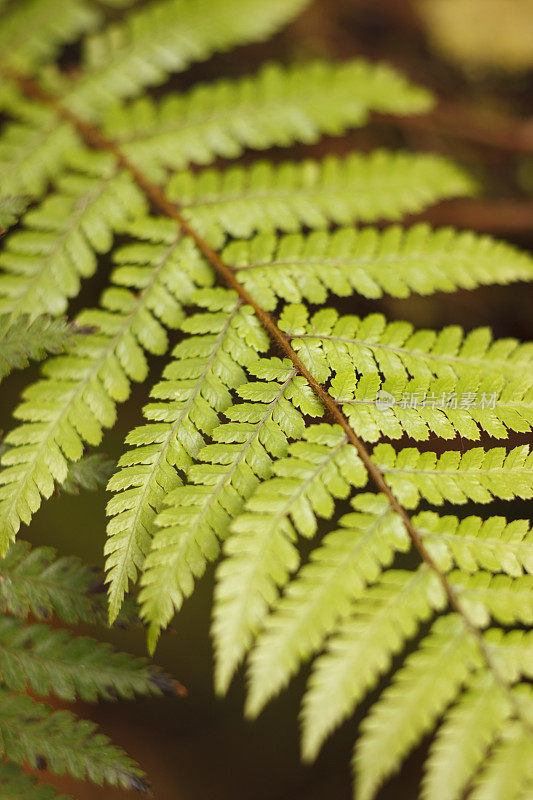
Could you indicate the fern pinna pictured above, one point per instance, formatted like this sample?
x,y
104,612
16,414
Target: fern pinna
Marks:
x,y
274,409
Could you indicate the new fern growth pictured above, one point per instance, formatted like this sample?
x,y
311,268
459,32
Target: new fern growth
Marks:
x,y
270,415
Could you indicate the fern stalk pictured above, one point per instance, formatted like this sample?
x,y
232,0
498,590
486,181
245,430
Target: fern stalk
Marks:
x,y
464,622
92,136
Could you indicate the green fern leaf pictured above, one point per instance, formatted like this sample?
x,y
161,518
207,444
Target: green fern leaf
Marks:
x,y
55,662
511,652
36,582
348,344
277,107
11,209
90,472
321,594
16,785
478,475
314,193
386,614
368,262
33,31
199,513
34,151
78,395
430,678
429,612
482,595
24,339
473,543
260,553
445,407
509,772
58,245
463,739
166,37
195,389
31,732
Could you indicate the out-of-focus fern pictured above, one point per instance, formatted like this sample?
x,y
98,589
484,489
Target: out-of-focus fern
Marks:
x,y
22,339
52,661
270,413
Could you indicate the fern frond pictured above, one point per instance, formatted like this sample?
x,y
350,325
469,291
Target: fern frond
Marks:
x,y
17,785
195,389
387,613
443,406
23,339
77,397
463,739
349,344
51,661
420,691
31,732
292,195
90,472
200,512
35,582
473,543
434,607
279,106
478,475
260,554
369,262
321,594
33,31
58,245
166,37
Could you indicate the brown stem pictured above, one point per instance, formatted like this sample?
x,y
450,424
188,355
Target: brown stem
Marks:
x,y
92,136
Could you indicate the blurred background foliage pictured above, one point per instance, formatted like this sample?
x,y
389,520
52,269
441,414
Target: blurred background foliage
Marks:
x,y
477,56
481,36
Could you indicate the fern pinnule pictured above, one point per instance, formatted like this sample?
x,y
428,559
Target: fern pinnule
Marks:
x,y
446,407
56,662
371,344
472,543
387,613
462,741
195,389
369,262
292,195
199,513
11,209
34,32
322,593
420,691
261,554
166,37
278,106
478,474
33,151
